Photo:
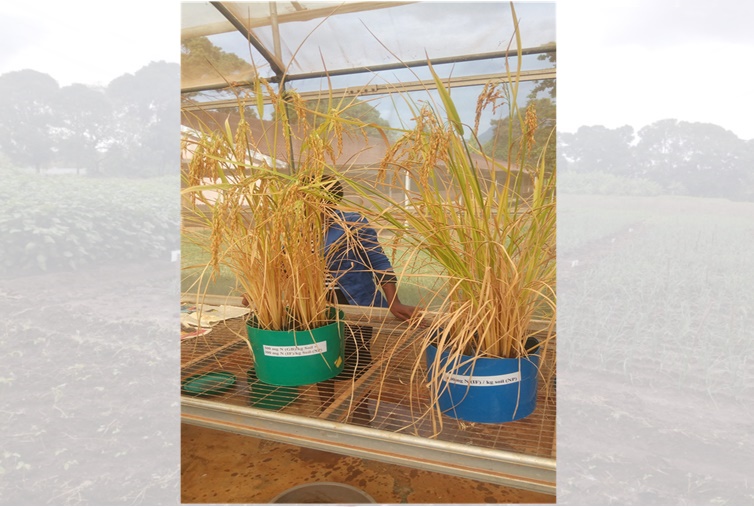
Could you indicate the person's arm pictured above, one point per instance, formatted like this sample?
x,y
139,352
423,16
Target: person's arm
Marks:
x,y
383,272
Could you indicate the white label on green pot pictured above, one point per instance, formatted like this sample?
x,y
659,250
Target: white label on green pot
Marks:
x,y
488,381
312,349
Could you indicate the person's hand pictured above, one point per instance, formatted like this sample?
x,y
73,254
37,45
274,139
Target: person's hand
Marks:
x,y
398,309
406,312
401,311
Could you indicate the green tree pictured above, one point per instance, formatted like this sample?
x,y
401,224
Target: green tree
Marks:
x,y
498,145
545,85
599,149
27,100
699,159
82,123
145,121
201,61
350,108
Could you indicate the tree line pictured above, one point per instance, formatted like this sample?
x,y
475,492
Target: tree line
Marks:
x,y
678,157
127,128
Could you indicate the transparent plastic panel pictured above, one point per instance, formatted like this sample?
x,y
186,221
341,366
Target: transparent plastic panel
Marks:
x,y
201,19
409,33
313,37
396,112
216,60
207,96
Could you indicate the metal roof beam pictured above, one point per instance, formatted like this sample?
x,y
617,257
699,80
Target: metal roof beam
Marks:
x,y
429,84
377,68
275,64
423,63
382,89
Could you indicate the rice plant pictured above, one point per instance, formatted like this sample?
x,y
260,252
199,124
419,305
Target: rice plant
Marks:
x,y
266,225
489,224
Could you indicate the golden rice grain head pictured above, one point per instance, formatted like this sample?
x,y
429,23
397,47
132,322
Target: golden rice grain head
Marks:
x,y
491,95
241,141
530,125
216,238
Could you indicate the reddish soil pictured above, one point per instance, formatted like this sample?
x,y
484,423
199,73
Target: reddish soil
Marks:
x,y
220,467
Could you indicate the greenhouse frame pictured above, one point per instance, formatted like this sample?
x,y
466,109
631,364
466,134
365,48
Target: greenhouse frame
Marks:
x,y
384,60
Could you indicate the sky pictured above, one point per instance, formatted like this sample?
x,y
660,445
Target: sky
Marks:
x,y
634,62
623,62
88,42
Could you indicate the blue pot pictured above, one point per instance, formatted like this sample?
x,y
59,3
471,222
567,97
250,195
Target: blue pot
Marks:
x,y
486,390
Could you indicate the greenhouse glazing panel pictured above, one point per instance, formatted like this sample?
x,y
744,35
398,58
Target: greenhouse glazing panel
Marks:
x,y
385,34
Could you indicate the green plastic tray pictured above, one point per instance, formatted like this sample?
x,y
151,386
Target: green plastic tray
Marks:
x,y
209,384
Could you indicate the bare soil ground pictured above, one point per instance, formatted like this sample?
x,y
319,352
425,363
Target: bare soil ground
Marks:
x,y
88,392
220,467
655,394
622,444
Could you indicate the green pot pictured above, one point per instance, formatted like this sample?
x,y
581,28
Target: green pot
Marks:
x,y
296,358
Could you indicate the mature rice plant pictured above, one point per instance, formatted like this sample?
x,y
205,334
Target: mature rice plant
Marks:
x,y
266,226
489,224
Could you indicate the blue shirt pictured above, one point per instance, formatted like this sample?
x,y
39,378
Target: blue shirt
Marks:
x,y
356,260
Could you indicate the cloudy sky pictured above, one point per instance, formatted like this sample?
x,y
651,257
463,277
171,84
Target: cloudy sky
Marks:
x,y
633,62
87,42
620,62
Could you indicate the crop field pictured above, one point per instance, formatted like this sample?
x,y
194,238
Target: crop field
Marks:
x,y
88,400
655,348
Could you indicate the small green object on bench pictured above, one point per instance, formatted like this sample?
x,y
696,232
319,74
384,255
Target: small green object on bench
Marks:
x,y
208,384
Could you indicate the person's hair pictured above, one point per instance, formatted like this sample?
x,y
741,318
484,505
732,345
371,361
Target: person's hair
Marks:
x,y
332,187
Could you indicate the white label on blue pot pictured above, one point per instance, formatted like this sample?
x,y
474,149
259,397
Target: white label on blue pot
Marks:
x,y
487,381
312,349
